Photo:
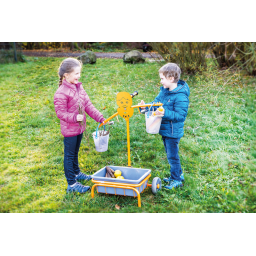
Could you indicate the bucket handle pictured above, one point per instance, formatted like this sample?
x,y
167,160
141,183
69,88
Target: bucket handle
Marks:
x,y
97,130
149,109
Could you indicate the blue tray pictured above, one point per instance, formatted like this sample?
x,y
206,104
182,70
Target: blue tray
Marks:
x,y
131,176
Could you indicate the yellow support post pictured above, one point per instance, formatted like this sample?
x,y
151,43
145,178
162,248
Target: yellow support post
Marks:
x,y
128,143
125,110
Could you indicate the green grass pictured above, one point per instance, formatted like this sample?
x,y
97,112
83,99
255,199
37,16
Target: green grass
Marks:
x,y
218,151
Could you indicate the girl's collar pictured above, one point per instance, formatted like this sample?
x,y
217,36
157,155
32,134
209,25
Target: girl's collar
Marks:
x,y
65,82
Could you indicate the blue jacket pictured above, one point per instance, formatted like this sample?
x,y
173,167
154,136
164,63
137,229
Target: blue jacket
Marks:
x,y
175,103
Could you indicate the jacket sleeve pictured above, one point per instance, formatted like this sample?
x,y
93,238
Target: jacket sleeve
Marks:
x,y
157,99
60,104
180,110
92,111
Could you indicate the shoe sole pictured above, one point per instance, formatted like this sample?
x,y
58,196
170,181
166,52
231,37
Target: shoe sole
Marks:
x,y
174,187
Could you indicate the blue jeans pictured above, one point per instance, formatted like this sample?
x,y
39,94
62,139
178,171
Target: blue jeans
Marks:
x,y
172,150
71,148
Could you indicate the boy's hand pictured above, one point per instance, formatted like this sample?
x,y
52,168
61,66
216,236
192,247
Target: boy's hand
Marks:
x,y
79,118
159,113
142,103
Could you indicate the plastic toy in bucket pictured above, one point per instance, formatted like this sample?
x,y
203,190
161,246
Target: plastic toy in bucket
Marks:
x,y
153,123
101,139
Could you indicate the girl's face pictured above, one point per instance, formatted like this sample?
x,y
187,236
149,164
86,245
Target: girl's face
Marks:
x,y
73,77
166,82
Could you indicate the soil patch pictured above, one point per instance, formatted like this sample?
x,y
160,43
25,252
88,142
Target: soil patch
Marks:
x,y
114,55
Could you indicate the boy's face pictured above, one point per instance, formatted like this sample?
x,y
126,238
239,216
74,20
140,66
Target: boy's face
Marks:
x,y
166,82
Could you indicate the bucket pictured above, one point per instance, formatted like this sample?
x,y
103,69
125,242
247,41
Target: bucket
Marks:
x,y
101,139
153,123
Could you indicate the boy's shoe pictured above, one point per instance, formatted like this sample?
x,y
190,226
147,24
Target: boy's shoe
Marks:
x,y
78,188
82,176
169,179
174,184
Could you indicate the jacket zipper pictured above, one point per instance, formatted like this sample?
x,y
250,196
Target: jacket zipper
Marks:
x,y
172,127
79,104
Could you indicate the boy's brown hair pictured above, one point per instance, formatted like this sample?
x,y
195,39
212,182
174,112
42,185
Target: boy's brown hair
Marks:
x,y
171,70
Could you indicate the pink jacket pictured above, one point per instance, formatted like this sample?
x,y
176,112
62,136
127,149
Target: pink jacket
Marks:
x,y
66,102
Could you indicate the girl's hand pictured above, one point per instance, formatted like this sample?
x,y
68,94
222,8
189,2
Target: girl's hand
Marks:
x,y
79,118
142,103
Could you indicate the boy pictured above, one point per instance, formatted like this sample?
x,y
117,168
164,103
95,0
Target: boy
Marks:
x,y
174,96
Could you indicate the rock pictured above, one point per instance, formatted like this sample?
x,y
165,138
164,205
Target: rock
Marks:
x,y
133,57
88,57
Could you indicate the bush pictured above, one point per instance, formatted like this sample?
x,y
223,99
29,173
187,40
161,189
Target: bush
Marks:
x,y
240,55
191,57
7,56
40,45
246,57
224,54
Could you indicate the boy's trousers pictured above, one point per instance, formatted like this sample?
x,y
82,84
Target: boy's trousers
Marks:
x,y
172,150
71,148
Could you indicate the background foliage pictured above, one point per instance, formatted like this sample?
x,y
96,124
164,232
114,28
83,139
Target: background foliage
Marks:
x,y
192,56
7,53
80,46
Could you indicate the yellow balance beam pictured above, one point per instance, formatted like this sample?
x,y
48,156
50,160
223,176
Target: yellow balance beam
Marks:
x,y
137,106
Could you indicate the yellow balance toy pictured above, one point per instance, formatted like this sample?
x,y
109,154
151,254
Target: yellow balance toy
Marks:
x,y
126,186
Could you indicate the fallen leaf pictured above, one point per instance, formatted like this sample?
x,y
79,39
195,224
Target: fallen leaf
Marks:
x,y
117,207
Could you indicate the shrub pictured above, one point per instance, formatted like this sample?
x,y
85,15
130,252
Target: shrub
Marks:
x,y
232,54
246,57
191,57
7,56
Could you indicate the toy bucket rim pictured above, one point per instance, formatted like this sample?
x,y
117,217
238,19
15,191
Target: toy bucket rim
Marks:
x,y
119,180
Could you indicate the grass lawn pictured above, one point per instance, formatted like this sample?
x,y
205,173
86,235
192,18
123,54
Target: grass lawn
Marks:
x,y
218,150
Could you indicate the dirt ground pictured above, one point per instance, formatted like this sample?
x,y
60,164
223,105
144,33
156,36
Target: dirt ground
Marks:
x,y
114,55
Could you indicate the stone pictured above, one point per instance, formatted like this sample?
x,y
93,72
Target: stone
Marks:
x,y
88,57
133,57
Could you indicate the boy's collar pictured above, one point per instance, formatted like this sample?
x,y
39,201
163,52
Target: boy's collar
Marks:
x,y
179,85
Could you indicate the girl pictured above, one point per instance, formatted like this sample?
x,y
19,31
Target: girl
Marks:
x,y
71,102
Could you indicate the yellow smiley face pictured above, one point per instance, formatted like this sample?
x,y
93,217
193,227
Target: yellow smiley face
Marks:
x,y
124,100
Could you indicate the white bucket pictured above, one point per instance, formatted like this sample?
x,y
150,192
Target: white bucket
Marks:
x,y
153,123
101,140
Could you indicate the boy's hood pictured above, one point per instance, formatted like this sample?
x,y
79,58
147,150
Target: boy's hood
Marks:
x,y
182,87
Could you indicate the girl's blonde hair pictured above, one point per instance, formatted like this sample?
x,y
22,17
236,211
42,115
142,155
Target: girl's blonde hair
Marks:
x,y
67,66
171,70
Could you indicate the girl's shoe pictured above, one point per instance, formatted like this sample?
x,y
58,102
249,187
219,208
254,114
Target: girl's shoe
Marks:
x,y
78,188
169,179
82,176
174,184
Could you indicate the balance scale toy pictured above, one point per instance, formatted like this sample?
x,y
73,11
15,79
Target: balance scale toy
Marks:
x,y
135,179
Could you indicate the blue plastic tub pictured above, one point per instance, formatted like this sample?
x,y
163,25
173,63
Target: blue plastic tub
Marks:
x,y
131,176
